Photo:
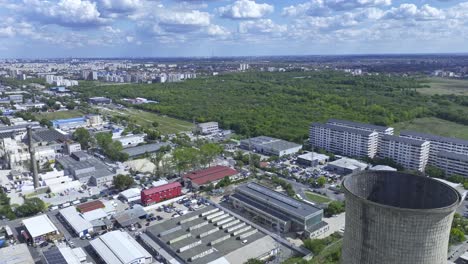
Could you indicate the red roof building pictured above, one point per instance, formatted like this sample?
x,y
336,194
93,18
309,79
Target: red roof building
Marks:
x,y
86,207
210,175
161,193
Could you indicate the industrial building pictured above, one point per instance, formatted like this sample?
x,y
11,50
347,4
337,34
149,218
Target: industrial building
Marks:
x,y
70,123
131,140
118,247
99,100
64,255
394,217
131,195
207,128
75,220
40,229
86,169
346,166
197,179
277,210
270,146
144,149
161,193
130,216
89,206
344,140
312,159
16,254
208,236
412,154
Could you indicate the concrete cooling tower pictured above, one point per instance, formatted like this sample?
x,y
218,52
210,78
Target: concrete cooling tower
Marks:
x,y
397,218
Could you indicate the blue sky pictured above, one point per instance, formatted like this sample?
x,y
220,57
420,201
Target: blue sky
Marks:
x,y
175,28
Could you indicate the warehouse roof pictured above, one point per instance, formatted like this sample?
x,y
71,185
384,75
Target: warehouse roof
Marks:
x,y
75,220
279,200
89,206
16,254
118,247
140,150
48,135
130,216
272,143
161,188
357,125
205,176
226,242
39,225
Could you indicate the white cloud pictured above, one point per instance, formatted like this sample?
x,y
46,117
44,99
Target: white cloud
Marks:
x,y
184,21
216,30
262,26
245,9
7,31
69,13
411,11
327,7
119,6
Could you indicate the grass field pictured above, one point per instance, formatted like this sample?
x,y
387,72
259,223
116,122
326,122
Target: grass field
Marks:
x,y
59,114
316,198
167,125
435,126
444,86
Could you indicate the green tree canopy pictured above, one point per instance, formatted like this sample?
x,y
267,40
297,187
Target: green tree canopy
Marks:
x,y
82,136
122,182
30,207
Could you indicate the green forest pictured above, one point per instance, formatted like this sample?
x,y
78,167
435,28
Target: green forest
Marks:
x,y
285,104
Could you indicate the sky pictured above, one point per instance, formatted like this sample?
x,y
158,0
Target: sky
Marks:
x,y
176,28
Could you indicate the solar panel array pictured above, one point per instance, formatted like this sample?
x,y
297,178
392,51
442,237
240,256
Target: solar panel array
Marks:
x,y
274,195
54,256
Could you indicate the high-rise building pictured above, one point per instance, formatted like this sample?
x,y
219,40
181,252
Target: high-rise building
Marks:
x,y
394,217
344,140
410,153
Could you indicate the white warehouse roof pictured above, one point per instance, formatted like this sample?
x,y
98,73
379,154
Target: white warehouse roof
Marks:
x,y
95,214
131,193
119,247
39,225
75,220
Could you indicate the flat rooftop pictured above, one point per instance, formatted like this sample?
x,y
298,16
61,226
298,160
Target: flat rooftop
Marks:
x,y
279,200
140,150
273,143
39,225
431,137
358,125
344,129
16,254
194,224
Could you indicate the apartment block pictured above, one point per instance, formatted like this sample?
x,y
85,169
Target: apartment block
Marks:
x,y
452,163
382,130
412,154
344,140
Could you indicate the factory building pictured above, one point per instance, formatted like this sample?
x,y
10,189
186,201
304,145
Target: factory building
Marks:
x,y
394,217
118,247
277,210
99,100
212,175
208,236
207,128
39,229
131,140
270,146
161,193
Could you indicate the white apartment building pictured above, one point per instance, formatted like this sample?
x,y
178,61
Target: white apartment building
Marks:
x,y
207,128
446,153
382,130
412,154
344,140
452,163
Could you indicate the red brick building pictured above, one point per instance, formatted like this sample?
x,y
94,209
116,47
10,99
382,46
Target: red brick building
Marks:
x,y
161,193
210,175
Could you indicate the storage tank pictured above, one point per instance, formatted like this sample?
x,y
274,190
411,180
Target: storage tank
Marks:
x,y
394,217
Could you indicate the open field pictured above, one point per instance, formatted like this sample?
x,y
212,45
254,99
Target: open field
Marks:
x,y
444,86
316,198
167,125
435,126
59,114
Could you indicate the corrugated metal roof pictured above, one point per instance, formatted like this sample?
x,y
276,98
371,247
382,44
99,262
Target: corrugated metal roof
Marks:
x,y
39,225
201,177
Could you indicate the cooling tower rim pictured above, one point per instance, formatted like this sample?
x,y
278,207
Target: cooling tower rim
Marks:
x,y
436,210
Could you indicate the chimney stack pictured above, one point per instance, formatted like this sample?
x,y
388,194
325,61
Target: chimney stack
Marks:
x,y
32,153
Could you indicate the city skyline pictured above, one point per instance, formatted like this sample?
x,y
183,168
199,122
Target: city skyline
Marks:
x,y
143,28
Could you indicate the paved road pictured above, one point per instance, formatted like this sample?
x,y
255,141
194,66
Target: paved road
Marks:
x,y
278,238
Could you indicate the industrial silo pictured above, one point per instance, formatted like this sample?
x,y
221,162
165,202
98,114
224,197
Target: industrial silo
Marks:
x,y
397,218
